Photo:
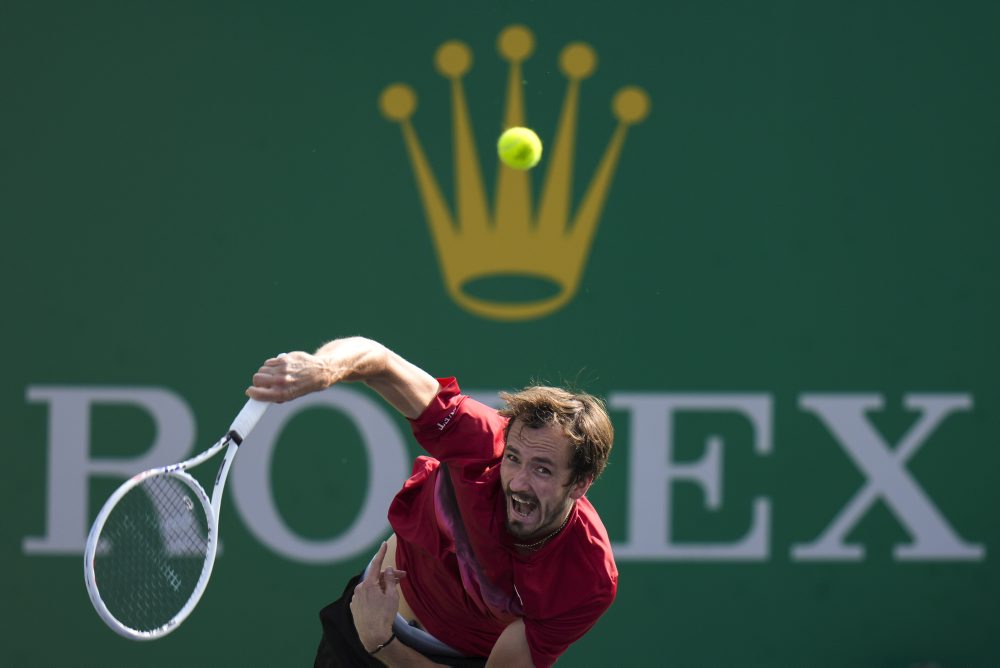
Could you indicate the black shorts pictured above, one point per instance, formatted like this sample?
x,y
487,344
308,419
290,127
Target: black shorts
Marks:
x,y
340,646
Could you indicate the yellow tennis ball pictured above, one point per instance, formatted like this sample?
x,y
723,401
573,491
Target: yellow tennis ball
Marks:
x,y
519,148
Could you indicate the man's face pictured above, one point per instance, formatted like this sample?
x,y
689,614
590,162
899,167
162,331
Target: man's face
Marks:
x,y
535,473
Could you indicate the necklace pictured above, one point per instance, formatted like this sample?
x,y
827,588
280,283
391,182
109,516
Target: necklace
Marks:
x,y
539,543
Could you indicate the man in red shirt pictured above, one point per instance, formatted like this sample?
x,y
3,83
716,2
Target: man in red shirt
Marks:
x,y
497,556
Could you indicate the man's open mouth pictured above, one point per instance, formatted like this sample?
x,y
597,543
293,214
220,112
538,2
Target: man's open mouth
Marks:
x,y
522,505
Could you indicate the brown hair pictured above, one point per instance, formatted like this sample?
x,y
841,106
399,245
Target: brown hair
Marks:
x,y
581,416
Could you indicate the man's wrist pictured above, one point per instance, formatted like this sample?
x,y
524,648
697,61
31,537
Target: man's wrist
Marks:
x,y
380,646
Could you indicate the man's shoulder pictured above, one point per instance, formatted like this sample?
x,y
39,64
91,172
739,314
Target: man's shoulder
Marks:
x,y
589,524
457,427
585,552
590,542
574,576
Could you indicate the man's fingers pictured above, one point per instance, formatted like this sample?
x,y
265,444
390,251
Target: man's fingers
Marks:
x,y
375,569
267,392
273,381
261,379
393,576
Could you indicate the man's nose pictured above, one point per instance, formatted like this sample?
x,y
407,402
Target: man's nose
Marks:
x,y
519,481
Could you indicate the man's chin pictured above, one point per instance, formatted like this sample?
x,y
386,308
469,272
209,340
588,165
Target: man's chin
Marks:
x,y
518,530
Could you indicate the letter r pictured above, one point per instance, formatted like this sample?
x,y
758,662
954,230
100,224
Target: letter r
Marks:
x,y
70,465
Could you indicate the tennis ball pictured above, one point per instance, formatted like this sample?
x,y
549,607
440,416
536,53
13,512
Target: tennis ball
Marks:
x,y
519,148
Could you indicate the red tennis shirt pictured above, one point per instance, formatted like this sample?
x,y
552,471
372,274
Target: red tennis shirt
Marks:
x,y
466,581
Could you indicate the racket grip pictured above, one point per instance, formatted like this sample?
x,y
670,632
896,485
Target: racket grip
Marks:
x,y
248,418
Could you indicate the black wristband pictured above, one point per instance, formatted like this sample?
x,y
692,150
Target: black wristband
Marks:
x,y
380,647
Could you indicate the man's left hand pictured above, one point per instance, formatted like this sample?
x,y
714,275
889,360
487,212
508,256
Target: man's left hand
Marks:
x,y
376,601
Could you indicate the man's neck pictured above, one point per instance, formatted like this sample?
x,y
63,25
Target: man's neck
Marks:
x,y
541,542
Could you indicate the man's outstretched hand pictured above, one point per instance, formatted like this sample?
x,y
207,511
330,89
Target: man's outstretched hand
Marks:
x,y
376,601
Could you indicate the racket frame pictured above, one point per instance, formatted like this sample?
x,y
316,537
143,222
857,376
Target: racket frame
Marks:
x,y
238,431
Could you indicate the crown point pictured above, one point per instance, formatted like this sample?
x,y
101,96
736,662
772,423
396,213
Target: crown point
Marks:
x,y
453,59
578,60
398,102
516,43
631,105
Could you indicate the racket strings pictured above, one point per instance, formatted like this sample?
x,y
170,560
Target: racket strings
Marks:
x,y
151,552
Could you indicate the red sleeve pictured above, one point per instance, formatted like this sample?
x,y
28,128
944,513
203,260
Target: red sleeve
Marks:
x,y
457,427
549,638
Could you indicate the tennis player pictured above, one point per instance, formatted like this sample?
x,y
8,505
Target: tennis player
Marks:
x,y
497,557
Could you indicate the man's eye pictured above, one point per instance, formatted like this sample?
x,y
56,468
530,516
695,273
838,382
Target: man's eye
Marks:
x,y
512,458
543,470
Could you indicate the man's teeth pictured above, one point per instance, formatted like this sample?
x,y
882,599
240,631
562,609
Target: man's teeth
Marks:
x,y
521,505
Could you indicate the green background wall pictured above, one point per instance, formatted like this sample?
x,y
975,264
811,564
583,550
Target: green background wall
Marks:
x,y
811,207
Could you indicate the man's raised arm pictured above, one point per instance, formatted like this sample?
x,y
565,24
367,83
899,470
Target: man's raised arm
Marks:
x,y
408,388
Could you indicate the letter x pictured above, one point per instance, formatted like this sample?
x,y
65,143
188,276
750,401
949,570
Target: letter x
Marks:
x,y
933,537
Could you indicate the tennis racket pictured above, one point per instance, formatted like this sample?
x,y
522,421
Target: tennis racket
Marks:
x,y
151,549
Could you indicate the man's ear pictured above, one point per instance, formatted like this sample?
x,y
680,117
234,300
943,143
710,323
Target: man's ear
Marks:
x,y
580,487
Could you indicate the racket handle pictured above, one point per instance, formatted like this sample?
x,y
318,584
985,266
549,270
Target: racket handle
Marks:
x,y
247,419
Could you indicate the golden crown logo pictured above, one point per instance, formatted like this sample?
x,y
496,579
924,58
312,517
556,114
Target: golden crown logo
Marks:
x,y
513,242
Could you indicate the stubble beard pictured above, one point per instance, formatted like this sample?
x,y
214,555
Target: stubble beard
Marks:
x,y
550,522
